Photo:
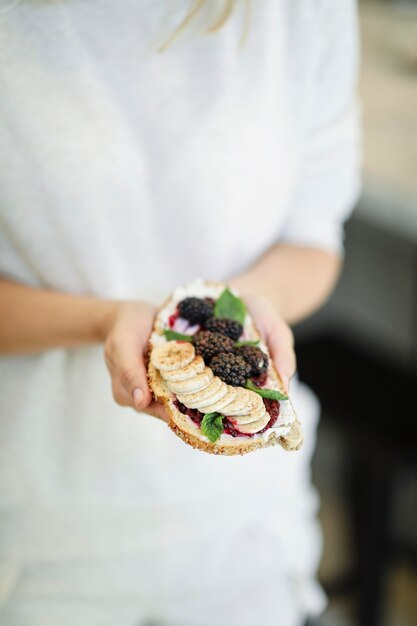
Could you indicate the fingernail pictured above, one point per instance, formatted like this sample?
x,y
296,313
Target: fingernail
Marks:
x,y
137,396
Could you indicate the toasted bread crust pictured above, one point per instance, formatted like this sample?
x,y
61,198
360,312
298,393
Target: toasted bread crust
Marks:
x,y
190,433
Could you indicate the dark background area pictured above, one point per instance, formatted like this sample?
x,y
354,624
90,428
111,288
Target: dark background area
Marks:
x,y
359,353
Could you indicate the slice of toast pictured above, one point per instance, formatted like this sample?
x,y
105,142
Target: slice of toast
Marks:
x,y
286,431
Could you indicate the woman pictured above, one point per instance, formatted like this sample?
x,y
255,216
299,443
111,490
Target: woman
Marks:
x,y
133,161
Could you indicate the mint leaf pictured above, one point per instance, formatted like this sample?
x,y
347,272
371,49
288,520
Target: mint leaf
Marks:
x,y
212,426
269,394
171,335
230,306
247,343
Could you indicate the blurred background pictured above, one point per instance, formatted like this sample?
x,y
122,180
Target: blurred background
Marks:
x,y
365,466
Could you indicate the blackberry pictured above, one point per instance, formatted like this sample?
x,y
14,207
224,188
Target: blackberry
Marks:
x,y
227,327
207,344
231,368
195,310
255,358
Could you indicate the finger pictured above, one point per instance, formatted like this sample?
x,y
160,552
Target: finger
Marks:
x,y
129,369
123,398
156,409
120,395
283,355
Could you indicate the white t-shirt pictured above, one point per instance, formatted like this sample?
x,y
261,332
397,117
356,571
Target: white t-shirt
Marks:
x,y
124,172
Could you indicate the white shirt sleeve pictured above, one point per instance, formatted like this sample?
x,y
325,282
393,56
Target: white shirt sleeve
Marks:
x,y
328,181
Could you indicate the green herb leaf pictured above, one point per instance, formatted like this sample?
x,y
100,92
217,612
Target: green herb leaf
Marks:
x,y
230,306
171,335
247,343
269,394
212,426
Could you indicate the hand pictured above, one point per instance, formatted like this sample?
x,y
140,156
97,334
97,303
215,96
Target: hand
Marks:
x,y
276,333
124,350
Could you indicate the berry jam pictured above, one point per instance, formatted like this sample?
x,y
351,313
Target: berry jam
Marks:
x,y
260,381
229,429
272,407
193,414
172,318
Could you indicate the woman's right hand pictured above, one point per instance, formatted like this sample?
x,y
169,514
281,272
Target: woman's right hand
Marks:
x,y
125,349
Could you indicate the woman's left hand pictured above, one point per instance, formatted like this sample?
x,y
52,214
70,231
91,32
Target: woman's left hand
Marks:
x,y
276,333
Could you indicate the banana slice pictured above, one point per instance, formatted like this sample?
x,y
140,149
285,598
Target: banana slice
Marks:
x,y
256,414
221,405
215,390
245,402
192,384
205,402
253,427
172,355
185,373
238,404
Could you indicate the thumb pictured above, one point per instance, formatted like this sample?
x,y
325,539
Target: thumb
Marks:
x,y
283,356
132,375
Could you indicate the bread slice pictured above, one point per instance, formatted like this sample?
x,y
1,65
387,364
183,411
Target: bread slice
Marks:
x,y
286,432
